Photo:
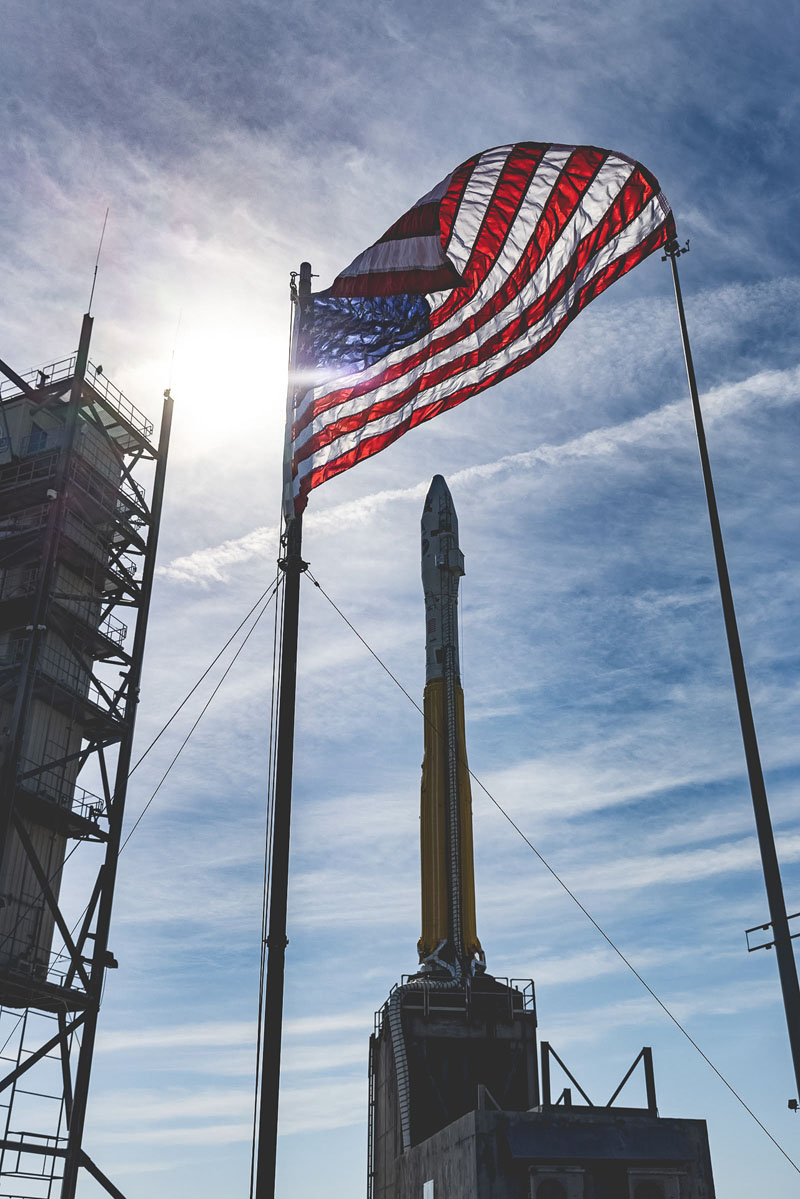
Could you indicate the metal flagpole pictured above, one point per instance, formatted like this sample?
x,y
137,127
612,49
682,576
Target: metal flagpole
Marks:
x,y
293,566
787,966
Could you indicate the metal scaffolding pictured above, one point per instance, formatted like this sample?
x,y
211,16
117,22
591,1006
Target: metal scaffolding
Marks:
x,y
81,489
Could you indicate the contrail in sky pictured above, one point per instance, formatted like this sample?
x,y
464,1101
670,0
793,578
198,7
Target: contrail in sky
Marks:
x,y
774,388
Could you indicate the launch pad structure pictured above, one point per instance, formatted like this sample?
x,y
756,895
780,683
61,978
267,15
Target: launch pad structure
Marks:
x,y
456,1110
81,490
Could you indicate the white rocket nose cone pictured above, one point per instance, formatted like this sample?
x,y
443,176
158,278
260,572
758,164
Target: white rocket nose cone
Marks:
x,y
438,514
438,492
442,566
439,523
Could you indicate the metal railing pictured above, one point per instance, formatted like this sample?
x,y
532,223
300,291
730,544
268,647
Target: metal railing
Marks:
x,y
29,520
64,368
46,441
123,568
460,998
50,783
22,948
59,665
645,1056
15,585
85,607
62,667
113,630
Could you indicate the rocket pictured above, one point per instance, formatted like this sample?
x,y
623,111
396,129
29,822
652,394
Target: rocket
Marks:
x,y
449,941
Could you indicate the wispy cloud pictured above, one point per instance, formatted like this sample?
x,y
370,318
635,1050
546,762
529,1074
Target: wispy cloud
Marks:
x,y
575,1027
769,387
598,695
196,1036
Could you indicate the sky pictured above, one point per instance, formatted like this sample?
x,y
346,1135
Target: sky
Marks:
x,y
228,144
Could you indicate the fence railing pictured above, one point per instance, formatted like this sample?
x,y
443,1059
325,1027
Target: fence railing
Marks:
x,y
64,368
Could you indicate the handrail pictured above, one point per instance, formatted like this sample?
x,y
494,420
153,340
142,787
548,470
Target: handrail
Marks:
x,y
64,368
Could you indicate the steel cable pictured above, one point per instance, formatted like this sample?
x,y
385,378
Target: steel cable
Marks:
x,y
203,711
266,596
570,893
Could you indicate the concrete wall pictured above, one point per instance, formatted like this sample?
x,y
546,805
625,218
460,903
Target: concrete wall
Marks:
x,y
448,1160
597,1153
463,1047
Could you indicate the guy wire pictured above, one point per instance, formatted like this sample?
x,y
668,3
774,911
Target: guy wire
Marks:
x,y
203,711
269,597
562,884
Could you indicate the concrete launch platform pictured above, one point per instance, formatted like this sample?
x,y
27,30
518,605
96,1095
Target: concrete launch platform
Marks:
x,y
456,1110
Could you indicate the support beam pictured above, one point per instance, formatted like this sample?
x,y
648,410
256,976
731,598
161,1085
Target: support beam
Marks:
x,y
16,379
116,812
42,1051
50,899
98,1175
56,516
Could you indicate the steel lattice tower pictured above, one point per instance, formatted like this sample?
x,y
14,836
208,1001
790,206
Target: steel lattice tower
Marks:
x,y
78,538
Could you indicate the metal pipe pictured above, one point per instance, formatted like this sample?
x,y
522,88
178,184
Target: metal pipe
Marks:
x,y
293,566
650,1079
546,1097
787,966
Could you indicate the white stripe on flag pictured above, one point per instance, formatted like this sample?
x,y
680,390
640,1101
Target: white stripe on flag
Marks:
x,y
594,205
436,193
522,230
626,241
406,253
551,166
474,203
545,176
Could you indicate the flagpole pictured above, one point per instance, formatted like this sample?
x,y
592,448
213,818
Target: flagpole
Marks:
x,y
787,966
292,566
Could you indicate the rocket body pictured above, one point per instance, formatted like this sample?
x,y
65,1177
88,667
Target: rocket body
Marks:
x,y
449,939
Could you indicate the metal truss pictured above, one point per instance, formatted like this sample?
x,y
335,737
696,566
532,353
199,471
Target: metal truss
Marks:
x,y
78,540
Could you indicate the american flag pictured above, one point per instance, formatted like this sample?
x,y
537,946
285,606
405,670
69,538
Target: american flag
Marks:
x,y
480,277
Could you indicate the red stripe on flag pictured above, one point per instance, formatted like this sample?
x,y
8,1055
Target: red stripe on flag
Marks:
x,y
576,176
631,200
369,446
487,349
421,221
392,283
593,288
451,201
510,189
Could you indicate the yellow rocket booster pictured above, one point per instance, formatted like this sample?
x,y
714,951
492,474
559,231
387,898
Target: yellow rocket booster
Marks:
x,y
448,876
